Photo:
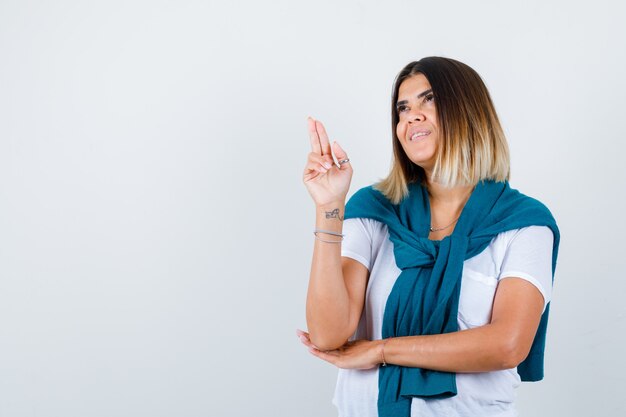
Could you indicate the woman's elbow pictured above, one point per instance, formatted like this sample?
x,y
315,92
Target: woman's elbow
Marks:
x,y
326,342
512,352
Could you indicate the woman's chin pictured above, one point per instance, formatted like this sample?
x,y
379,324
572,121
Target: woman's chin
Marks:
x,y
426,164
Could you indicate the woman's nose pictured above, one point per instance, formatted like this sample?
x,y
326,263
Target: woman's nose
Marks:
x,y
416,117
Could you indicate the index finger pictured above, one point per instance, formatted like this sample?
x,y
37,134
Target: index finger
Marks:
x,y
324,142
316,146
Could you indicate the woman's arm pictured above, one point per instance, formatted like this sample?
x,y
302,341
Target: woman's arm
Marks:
x,y
336,290
501,344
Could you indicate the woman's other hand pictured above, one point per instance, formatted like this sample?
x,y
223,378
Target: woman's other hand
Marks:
x,y
326,181
360,354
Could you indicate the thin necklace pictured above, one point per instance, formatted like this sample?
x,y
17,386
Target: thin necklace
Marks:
x,y
432,229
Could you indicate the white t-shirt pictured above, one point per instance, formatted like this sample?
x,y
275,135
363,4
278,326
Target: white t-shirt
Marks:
x,y
525,253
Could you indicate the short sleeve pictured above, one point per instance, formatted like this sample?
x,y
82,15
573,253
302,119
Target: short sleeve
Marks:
x,y
357,241
529,256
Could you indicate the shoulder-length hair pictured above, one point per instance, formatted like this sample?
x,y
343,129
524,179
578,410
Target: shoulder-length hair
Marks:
x,y
472,146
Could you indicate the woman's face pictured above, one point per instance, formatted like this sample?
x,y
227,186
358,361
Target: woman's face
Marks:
x,y
417,127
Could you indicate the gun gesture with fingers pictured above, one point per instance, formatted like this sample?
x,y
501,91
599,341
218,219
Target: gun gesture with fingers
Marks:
x,y
327,182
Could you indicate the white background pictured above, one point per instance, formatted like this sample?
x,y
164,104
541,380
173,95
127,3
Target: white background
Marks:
x,y
155,235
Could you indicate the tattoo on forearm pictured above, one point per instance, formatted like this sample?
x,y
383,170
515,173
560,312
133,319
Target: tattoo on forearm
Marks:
x,y
333,214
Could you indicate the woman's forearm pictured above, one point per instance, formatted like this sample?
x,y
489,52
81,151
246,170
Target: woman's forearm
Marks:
x,y
502,344
481,349
328,303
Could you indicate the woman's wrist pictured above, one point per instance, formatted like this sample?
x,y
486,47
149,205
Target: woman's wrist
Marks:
x,y
329,222
381,352
331,205
333,211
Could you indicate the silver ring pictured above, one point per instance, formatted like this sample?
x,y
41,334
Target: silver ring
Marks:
x,y
344,161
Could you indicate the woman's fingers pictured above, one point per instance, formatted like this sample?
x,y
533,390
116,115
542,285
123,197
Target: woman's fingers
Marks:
x,y
320,144
330,357
304,338
324,142
325,161
316,147
317,164
342,156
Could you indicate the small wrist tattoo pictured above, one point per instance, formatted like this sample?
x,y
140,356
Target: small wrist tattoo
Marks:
x,y
333,214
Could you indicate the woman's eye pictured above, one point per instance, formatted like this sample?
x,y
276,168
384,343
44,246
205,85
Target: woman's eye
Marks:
x,y
401,109
429,97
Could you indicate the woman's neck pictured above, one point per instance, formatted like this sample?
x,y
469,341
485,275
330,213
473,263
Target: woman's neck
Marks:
x,y
451,199
446,206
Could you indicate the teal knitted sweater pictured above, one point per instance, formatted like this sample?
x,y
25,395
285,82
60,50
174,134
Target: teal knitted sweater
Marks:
x,y
425,297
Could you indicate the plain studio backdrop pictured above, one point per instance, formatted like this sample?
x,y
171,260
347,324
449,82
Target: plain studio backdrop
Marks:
x,y
155,234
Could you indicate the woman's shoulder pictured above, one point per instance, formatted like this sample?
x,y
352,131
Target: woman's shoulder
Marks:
x,y
537,234
525,203
529,243
371,226
534,231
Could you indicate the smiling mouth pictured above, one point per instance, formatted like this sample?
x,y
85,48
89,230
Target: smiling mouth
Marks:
x,y
418,135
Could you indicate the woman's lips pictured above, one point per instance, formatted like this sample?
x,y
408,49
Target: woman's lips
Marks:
x,y
418,135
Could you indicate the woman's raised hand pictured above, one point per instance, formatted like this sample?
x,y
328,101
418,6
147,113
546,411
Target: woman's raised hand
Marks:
x,y
326,181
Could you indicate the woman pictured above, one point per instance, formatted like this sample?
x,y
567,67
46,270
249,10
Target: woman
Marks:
x,y
430,289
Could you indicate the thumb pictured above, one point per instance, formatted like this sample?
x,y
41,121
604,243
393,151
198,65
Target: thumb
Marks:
x,y
340,154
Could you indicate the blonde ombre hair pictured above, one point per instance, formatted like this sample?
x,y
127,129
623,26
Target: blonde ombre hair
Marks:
x,y
472,144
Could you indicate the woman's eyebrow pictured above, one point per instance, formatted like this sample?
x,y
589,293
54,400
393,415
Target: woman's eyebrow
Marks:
x,y
420,95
